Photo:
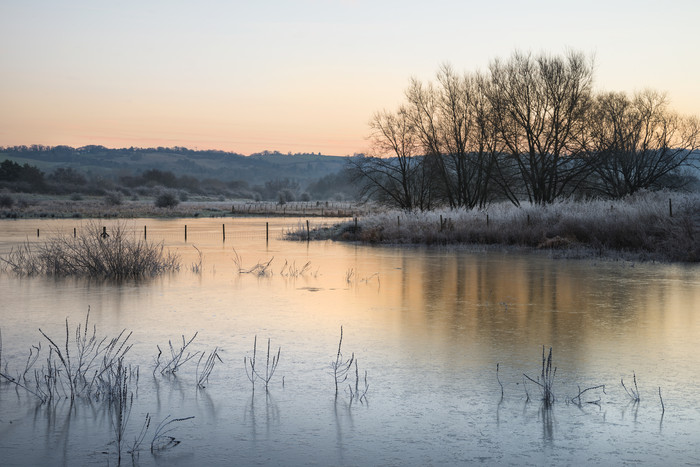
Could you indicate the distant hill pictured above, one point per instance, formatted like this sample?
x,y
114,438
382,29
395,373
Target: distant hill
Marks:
x,y
225,166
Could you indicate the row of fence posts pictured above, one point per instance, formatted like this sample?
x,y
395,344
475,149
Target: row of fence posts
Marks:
x,y
104,233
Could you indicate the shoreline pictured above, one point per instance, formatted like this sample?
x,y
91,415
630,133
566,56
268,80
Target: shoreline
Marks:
x,y
42,207
662,227
658,226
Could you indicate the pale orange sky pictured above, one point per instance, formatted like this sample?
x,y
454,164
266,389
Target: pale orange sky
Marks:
x,y
296,76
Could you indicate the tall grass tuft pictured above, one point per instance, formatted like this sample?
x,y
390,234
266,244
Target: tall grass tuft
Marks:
x,y
81,366
96,252
77,367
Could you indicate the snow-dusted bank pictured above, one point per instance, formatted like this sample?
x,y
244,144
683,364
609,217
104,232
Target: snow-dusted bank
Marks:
x,y
660,226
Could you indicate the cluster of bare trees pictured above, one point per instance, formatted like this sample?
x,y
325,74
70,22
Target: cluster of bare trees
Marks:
x,y
531,128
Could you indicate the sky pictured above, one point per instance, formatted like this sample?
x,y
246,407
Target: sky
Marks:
x,y
303,75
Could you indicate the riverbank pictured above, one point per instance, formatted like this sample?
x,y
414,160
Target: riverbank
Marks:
x,y
30,206
649,226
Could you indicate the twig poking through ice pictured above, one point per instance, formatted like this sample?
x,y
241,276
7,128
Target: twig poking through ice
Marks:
x,y
340,367
633,392
499,379
203,378
161,438
577,399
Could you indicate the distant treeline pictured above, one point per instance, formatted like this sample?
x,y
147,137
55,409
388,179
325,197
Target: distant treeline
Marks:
x,y
96,170
27,178
529,129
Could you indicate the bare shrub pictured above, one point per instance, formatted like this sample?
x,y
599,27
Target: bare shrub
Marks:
x,y
6,201
166,199
114,198
96,252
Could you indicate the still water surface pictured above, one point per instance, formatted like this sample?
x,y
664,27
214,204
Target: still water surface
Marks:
x,y
428,325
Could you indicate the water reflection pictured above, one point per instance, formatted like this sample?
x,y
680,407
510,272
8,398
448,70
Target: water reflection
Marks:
x,y
56,418
269,417
546,416
343,416
430,325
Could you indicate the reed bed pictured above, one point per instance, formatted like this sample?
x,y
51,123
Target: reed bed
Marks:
x,y
77,368
647,225
95,252
91,369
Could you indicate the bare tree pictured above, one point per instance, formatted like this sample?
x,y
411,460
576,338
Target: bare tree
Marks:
x,y
540,104
424,111
638,142
497,174
457,95
394,174
446,120
531,128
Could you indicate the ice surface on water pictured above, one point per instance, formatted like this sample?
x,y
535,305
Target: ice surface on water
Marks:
x,y
429,328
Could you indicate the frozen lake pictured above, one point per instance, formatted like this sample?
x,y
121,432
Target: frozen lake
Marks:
x,y
428,325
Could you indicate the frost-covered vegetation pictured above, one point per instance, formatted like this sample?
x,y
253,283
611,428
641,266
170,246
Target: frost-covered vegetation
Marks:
x,y
532,128
95,252
660,225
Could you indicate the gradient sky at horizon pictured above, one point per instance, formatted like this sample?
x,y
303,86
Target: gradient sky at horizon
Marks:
x,y
302,76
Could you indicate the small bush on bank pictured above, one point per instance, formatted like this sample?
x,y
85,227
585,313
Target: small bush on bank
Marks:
x,y
6,201
166,199
114,198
